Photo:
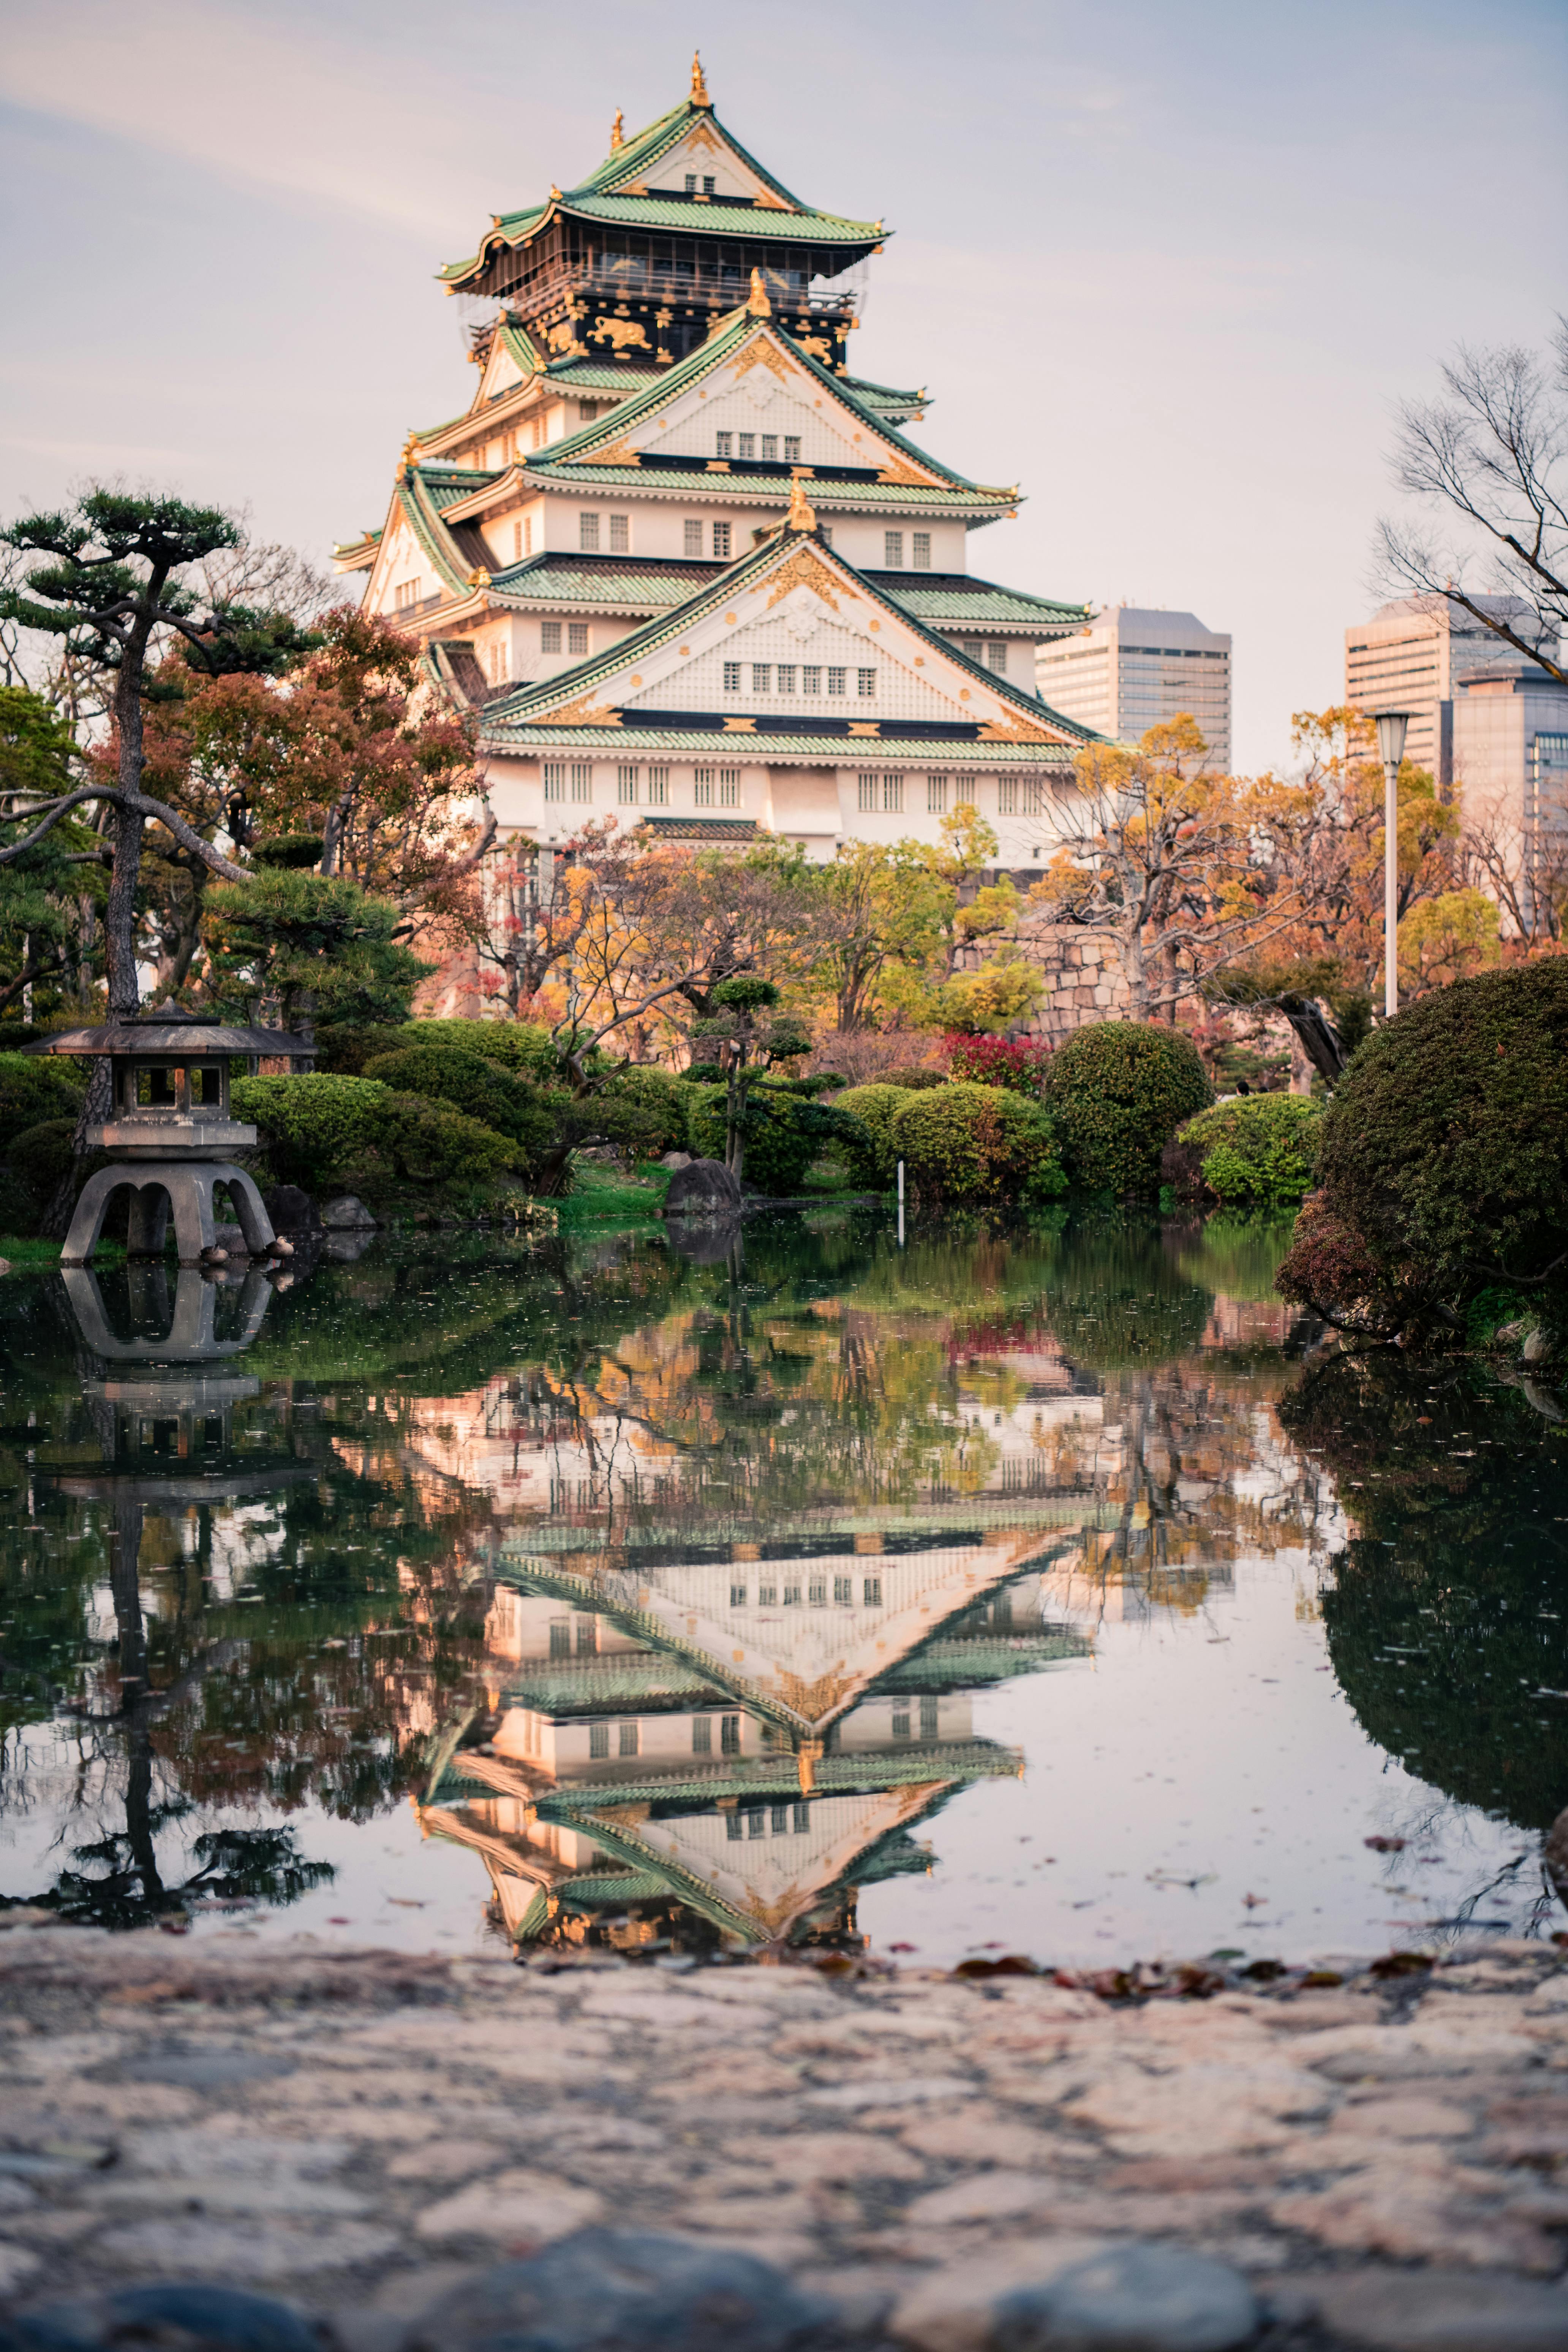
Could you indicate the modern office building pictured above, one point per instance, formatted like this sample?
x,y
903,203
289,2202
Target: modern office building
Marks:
x,y
1510,769
1132,668
1411,656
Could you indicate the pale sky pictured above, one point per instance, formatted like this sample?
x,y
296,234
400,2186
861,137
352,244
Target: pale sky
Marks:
x,y
1171,269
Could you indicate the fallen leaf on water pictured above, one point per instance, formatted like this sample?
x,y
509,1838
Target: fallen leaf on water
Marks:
x,y
1384,1844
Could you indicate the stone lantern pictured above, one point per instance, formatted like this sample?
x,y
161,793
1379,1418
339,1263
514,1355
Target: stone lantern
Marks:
x,y
169,1131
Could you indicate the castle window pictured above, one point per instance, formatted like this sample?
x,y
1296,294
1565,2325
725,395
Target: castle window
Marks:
x,y
729,1734
691,183
731,677
576,637
704,787
598,1740
817,1595
929,1725
554,780
549,637
733,1826
561,1641
791,1596
748,444
767,1596
406,594
770,448
894,794
844,1591
521,541
726,445
588,533
702,1735
810,681
996,659
781,1820
866,682
762,677
936,795
658,787
729,788
787,677
868,792
709,183
871,1592
801,1819
756,1823
737,1596
920,550
628,1739
837,682
901,1721
893,549
1008,796
620,534
626,787
792,449
721,542
693,538
581,780
1034,797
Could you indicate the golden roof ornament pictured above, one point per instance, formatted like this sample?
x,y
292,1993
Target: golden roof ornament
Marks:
x,y
618,136
801,513
757,301
699,87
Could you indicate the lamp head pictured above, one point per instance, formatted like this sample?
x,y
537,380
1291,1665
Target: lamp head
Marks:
x,y
1391,727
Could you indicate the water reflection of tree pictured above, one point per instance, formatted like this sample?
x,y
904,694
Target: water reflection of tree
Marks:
x,y
1448,1620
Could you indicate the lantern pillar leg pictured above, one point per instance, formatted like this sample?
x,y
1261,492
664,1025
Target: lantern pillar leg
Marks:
x,y
91,1208
148,1226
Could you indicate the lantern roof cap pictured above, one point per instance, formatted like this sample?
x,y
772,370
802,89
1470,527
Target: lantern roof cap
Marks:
x,y
170,1029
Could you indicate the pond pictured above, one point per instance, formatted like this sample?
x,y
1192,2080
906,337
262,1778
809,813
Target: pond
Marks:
x,y
1053,1591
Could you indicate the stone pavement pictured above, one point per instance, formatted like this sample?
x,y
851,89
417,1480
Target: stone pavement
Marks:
x,y
1379,2161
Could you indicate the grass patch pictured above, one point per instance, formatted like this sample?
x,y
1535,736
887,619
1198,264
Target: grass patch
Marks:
x,y
600,1194
25,1253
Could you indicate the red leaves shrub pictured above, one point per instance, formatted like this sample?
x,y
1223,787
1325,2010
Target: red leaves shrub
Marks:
x,y
1016,1062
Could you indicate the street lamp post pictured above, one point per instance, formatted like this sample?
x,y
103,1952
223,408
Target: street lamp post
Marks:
x,y
1391,727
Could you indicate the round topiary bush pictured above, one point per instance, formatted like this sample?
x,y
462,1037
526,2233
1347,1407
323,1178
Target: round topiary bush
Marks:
x,y
664,1099
783,1138
966,1144
1118,1090
1256,1151
313,1125
1443,1160
445,1072
869,1156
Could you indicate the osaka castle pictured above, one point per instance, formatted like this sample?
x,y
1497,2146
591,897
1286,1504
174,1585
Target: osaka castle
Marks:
x,y
678,556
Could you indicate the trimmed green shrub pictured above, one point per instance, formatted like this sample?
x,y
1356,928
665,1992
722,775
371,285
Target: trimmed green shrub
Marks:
x,y
34,1088
313,1125
913,1077
665,1101
430,1143
519,1046
785,1132
1256,1151
1443,1163
964,1144
869,1156
443,1073
37,1160
1118,1090
341,1052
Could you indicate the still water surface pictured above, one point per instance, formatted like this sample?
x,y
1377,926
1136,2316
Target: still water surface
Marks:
x,y
1050,1592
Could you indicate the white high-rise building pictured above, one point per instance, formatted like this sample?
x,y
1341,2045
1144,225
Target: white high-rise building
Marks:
x,y
1132,668
1412,655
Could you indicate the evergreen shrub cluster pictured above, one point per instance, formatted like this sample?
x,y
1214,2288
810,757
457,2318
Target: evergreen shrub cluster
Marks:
x,y
1018,1062
1256,1151
1118,1091
963,1143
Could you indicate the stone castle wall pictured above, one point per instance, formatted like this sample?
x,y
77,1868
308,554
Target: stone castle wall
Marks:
x,y
1082,973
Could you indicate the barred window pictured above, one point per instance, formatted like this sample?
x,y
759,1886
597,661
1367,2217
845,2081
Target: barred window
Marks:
x,y
549,637
756,1822
762,677
721,542
844,1591
801,1819
792,449
693,538
837,682
871,1592
729,1734
920,550
893,549
588,533
902,1720
767,1596
576,637
810,681
929,1724
599,1740
731,677
936,795
734,1825
816,1595
737,1596
702,1735
996,659
704,787
1034,797
555,780
1007,795
407,594
537,433
791,1596
729,788
523,539
581,780
787,677
770,448
746,446
725,445
868,792
866,682
626,787
710,185
893,794
691,183
620,534
629,1742
658,787
780,1821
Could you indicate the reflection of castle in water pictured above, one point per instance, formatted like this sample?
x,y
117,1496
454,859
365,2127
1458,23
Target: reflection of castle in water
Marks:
x,y
732,1745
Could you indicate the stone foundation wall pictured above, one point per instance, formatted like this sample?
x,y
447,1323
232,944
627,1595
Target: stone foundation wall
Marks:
x,y
1082,973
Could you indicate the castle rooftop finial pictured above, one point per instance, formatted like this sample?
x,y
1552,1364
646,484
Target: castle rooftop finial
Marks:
x,y
618,136
801,513
757,301
699,87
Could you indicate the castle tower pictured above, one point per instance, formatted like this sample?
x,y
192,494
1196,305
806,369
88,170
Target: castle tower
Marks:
x,y
683,561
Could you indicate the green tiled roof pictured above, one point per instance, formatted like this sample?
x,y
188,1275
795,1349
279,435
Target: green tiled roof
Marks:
x,y
719,219
594,375
499,734
742,489
763,1778
613,583
964,1520
603,1686
957,598
700,828
449,486
882,395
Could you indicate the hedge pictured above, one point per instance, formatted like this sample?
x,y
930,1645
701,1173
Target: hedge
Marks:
x,y
1257,1150
870,1156
316,1127
1118,1090
481,1090
33,1089
964,1144
783,1134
